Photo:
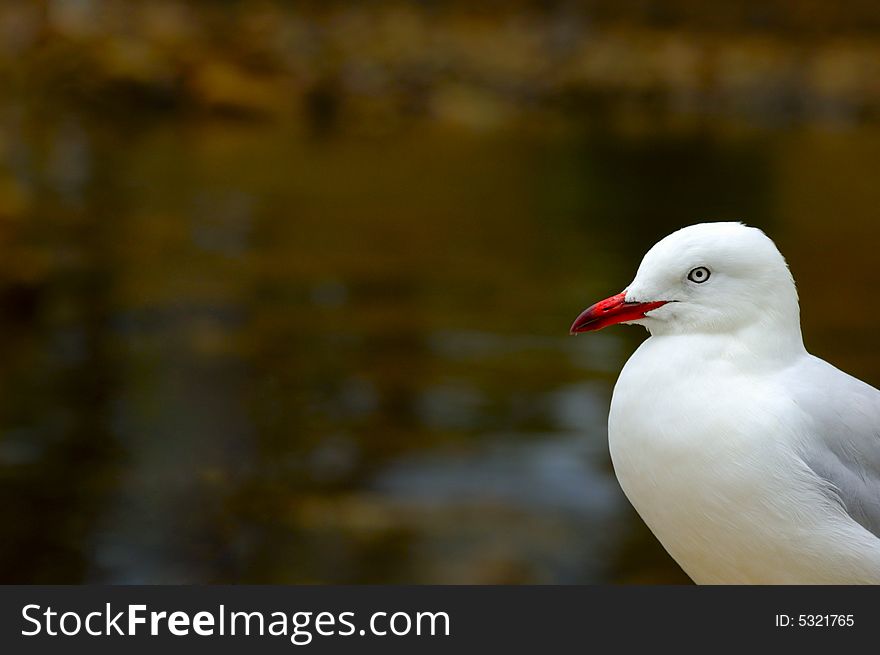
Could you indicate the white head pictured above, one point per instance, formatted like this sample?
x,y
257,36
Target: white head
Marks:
x,y
706,278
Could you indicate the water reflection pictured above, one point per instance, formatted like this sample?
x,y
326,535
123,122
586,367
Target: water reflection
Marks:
x,y
235,353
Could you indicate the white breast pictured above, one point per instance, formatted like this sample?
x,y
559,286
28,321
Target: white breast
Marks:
x,y
708,454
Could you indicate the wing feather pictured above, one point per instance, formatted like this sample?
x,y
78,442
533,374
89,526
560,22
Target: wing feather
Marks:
x,y
844,445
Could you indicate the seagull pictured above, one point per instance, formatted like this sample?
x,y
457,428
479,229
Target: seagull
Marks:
x,y
751,460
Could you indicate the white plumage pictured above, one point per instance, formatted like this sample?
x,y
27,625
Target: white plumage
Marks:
x,y
751,460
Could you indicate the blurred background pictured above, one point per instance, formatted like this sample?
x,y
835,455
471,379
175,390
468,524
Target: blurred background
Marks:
x,y
285,286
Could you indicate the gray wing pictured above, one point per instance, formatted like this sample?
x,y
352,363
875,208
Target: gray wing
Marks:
x,y
846,416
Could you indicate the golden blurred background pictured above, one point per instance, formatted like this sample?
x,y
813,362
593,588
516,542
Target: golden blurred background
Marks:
x,y
285,286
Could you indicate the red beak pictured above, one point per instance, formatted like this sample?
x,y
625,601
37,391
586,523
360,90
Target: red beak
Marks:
x,y
610,311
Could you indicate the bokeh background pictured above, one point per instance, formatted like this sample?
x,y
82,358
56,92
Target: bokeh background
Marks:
x,y
285,286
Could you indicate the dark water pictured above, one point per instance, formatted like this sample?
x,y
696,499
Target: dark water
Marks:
x,y
240,353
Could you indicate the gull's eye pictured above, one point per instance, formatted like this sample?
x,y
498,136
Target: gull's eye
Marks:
x,y
699,274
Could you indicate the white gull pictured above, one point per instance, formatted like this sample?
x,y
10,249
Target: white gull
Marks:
x,y
751,460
